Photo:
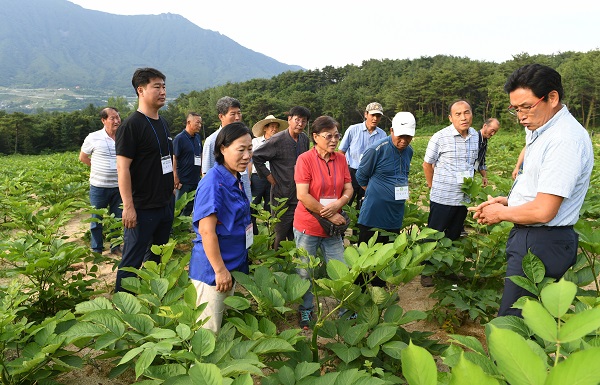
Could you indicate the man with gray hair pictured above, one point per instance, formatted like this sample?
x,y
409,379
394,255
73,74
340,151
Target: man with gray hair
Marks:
x,y
230,111
490,127
98,152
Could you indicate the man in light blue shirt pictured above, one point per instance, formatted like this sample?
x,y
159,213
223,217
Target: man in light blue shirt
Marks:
x,y
355,142
545,199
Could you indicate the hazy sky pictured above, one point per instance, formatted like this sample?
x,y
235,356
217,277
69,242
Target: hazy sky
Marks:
x,y
317,33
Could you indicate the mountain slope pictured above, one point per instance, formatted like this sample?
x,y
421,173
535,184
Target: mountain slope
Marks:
x,y
55,43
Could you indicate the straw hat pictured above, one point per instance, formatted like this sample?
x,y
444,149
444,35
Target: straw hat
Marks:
x,y
258,128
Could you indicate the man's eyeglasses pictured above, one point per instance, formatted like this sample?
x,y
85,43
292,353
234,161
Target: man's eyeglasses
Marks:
x,y
329,137
523,110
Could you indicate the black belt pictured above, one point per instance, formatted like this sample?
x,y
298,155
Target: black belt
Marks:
x,y
517,226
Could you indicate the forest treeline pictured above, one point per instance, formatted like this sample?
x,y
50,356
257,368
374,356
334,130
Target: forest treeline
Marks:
x,y
423,86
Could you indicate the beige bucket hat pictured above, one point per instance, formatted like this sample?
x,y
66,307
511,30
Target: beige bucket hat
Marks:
x,y
258,128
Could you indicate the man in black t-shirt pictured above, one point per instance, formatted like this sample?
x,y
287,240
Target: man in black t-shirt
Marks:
x,y
145,173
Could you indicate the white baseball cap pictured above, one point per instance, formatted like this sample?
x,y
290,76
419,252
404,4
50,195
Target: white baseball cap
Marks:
x,y
404,124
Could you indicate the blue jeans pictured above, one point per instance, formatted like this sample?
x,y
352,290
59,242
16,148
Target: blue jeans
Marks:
x,y
185,187
153,228
102,197
331,248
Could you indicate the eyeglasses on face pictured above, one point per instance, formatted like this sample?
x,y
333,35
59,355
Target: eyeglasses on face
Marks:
x,y
523,110
329,137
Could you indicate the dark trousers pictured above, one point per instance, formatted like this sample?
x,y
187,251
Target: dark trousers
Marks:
x,y
101,197
261,192
185,188
358,193
449,219
555,246
284,230
153,228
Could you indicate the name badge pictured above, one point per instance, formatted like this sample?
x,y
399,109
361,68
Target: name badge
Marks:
x,y
326,201
167,165
197,160
249,236
112,164
461,175
401,193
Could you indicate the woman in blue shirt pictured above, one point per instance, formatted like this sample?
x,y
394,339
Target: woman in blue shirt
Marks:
x,y
221,218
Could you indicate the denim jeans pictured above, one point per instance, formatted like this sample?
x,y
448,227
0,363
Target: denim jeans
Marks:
x,y
331,248
153,228
102,197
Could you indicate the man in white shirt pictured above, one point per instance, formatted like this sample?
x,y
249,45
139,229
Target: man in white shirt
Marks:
x,y
98,152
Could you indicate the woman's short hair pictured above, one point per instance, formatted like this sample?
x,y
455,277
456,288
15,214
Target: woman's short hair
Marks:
x,y
228,135
323,123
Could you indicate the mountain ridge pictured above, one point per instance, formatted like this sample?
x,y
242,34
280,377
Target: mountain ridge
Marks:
x,y
55,43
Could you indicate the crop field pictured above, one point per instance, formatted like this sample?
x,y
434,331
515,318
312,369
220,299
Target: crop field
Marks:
x,y
60,321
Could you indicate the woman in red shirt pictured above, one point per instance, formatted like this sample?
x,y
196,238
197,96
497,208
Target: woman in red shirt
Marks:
x,y
323,186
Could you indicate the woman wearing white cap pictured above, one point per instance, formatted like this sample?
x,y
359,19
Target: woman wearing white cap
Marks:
x,y
260,187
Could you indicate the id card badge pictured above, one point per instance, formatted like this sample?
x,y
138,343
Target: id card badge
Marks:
x,y
197,160
401,193
461,175
167,165
112,163
249,236
326,200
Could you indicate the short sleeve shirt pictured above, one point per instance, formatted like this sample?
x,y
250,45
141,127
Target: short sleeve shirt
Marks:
x,y
186,148
222,195
101,147
356,140
324,179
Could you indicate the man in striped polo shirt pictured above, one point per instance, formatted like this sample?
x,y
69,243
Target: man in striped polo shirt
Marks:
x,y
98,152
546,197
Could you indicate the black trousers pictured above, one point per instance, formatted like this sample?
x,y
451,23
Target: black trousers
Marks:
x,y
449,219
358,193
555,246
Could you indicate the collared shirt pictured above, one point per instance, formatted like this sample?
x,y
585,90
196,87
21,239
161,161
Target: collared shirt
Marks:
x,y
256,144
356,140
559,158
325,179
221,195
185,148
101,147
208,156
282,151
382,169
450,154
483,142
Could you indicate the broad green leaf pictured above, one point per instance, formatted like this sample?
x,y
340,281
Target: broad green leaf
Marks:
x,y
533,267
557,297
237,302
127,303
100,303
418,366
295,287
304,369
581,368
159,286
393,314
467,372
355,334
412,315
345,353
160,333
140,322
83,330
144,361
183,331
381,334
205,374
525,283
244,379
242,366
540,321
273,345
514,358
165,371
131,355
337,269
286,376
394,348
106,318
579,325
203,342
516,324
468,342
